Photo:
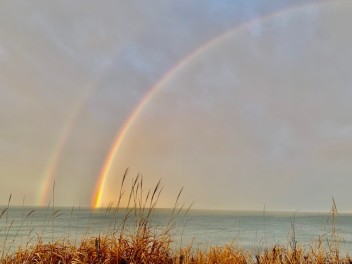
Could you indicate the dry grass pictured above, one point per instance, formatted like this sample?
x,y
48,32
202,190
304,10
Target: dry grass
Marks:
x,y
142,243
151,250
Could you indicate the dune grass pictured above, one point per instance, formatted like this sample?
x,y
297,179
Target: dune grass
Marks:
x,y
143,243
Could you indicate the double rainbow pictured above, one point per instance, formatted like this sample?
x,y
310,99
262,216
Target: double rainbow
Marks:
x,y
96,200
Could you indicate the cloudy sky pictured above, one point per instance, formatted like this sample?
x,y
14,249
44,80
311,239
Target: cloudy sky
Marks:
x,y
244,103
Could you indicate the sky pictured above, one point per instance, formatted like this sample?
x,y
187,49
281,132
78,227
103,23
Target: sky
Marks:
x,y
245,104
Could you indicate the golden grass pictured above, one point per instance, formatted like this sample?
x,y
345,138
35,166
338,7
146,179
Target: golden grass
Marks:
x,y
149,250
144,244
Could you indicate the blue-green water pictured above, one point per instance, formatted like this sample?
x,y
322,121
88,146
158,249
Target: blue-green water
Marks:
x,y
202,228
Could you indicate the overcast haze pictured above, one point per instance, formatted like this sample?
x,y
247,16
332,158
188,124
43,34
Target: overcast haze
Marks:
x,y
259,112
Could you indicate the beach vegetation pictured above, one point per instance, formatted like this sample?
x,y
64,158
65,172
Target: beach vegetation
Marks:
x,y
135,240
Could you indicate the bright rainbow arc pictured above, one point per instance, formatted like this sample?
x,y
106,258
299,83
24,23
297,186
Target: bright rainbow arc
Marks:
x,y
100,185
98,192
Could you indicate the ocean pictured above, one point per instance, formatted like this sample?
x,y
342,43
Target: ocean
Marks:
x,y
250,230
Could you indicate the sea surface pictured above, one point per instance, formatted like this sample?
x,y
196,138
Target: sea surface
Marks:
x,y
249,230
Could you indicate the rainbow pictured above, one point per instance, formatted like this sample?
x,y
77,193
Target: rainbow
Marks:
x,y
53,162
54,159
96,200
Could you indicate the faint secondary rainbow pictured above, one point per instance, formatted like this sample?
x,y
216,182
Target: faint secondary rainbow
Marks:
x,y
96,200
54,159
53,162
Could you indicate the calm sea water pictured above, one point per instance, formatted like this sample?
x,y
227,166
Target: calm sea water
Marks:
x,y
249,230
